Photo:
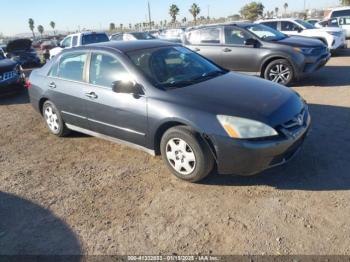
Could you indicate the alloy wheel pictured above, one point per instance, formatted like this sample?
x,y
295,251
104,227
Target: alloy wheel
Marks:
x,y
180,156
52,119
280,73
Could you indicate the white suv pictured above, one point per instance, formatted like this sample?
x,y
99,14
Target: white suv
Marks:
x,y
79,39
333,37
338,12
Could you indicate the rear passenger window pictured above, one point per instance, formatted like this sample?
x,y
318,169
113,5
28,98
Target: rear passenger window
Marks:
x,y
106,69
72,66
204,36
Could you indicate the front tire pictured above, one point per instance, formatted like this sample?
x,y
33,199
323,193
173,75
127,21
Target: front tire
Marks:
x,y
279,71
186,154
53,120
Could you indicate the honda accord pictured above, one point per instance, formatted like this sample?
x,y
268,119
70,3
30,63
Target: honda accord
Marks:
x,y
166,99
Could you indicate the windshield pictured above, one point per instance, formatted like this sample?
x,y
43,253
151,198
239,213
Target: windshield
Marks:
x,y
143,36
305,24
174,67
265,33
94,38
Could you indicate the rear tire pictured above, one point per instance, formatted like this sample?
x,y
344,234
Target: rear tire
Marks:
x,y
186,154
53,120
279,71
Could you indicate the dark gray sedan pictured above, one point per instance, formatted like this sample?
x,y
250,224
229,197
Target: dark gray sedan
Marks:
x,y
165,99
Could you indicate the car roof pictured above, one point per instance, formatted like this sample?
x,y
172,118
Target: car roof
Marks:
x,y
238,24
127,46
340,8
278,19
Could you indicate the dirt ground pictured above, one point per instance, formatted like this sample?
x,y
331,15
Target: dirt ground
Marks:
x,y
84,195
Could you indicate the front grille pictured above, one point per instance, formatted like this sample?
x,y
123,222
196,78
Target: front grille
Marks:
x,y
8,75
296,125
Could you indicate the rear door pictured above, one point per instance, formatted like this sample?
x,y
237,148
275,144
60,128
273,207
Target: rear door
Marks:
x,y
67,87
122,116
237,56
207,42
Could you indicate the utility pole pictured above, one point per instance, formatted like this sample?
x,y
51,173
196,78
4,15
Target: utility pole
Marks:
x,y
149,16
208,11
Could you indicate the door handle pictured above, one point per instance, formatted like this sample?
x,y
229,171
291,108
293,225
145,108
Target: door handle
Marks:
x,y
197,49
91,95
52,85
226,50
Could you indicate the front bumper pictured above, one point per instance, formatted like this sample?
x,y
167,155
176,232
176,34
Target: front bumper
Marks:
x,y
245,158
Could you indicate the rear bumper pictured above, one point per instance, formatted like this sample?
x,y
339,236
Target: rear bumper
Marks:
x,y
242,157
11,86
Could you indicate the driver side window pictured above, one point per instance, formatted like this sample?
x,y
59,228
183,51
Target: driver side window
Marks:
x,y
106,69
66,43
235,36
289,26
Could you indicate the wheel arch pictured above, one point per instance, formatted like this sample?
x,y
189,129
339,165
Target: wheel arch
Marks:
x,y
41,104
173,123
270,59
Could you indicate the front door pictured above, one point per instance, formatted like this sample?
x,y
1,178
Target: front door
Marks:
x,y
237,56
122,116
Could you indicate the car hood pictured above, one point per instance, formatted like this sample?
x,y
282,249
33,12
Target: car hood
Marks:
x,y
325,29
7,65
300,41
244,96
18,45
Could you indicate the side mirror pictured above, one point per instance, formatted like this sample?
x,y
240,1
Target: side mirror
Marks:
x,y
127,87
299,30
251,42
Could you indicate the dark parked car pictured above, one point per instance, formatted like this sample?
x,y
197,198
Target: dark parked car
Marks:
x,y
11,76
164,98
21,51
258,49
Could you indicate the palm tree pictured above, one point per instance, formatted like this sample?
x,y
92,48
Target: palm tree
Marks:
x,y
31,26
41,30
111,27
184,20
276,11
285,8
195,10
173,12
121,27
53,25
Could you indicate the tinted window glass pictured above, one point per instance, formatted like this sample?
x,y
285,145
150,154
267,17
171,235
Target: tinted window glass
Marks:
x,y
106,69
72,66
75,41
54,70
271,24
94,38
265,33
305,24
341,13
174,67
235,36
289,26
344,21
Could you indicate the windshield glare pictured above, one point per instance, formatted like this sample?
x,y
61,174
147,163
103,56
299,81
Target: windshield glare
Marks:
x,y
173,67
265,33
305,24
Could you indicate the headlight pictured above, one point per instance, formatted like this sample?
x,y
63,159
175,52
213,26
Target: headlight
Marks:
x,y
305,51
243,128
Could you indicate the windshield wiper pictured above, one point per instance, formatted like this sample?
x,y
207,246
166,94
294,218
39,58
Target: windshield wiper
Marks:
x,y
197,79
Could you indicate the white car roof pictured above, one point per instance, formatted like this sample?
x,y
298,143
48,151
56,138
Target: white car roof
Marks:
x,y
340,8
278,19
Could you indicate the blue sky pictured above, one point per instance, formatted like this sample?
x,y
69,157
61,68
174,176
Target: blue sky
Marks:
x,y
97,14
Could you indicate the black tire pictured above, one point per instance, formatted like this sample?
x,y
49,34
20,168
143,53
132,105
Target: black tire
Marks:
x,y
52,122
274,72
203,163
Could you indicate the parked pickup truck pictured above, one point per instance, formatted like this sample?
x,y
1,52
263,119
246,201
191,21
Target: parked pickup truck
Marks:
x,y
79,39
